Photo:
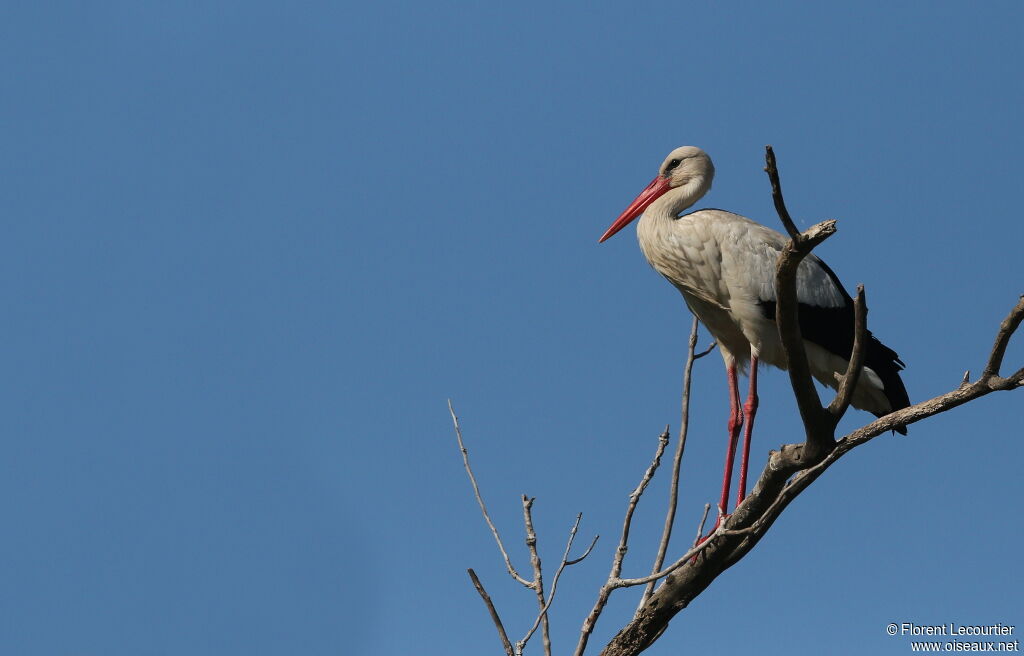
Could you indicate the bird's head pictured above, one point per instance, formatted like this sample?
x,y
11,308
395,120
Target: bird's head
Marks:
x,y
685,176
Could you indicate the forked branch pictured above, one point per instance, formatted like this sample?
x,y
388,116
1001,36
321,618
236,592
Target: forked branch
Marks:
x,y
537,584
817,423
480,500
494,613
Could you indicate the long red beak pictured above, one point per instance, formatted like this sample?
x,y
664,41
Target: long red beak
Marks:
x,y
651,193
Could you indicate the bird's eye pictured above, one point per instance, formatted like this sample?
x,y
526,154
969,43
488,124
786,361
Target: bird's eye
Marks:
x,y
671,165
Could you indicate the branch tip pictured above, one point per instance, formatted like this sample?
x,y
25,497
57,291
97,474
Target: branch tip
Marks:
x,y
1006,330
841,403
480,500
494,613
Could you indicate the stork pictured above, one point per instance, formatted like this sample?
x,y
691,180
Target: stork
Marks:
x,y
724,265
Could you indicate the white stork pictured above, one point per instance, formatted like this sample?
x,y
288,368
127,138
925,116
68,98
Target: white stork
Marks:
x,y
724,265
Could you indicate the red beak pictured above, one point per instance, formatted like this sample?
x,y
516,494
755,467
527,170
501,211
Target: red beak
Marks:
x,y
651,193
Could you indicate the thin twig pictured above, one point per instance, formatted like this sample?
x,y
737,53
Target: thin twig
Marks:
x,y
614,583
634,499
479,499
780,203
673,487
585,553
682,560
538,578
620,551
709,349
554,581
494,613
841,403
531,542
700,527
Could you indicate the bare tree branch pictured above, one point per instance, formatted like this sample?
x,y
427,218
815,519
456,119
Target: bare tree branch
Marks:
x,y
700,527
585,553
709,349
537,585
780,203
634,499
682,560
554,581
479,499
1006,329
677,461
841,403
816,420
538,578
620,551
494,613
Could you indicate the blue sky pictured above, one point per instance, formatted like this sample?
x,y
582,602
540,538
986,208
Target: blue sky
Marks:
x,y
250,249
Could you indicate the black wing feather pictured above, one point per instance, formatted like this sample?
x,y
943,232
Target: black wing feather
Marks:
x,y
832,328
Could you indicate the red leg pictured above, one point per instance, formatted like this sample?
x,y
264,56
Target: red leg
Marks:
x,y
749,409
735,422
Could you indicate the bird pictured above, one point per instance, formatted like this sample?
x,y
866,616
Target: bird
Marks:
x,y
724,266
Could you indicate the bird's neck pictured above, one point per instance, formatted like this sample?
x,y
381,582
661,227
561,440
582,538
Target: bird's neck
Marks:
x,y
677,200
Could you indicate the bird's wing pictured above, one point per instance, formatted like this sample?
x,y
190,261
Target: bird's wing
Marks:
x,y
825,307
749,253
826,313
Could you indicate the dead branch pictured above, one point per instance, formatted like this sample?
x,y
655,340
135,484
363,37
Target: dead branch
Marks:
x,y
841,403
585,553
709,349
480,501
700,527
1006,329
620,551
780,203
554,581
494,613
537,584
677,460
538,579
816,422
634,499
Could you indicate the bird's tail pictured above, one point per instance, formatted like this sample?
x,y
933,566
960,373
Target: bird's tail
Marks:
x,y
887,364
